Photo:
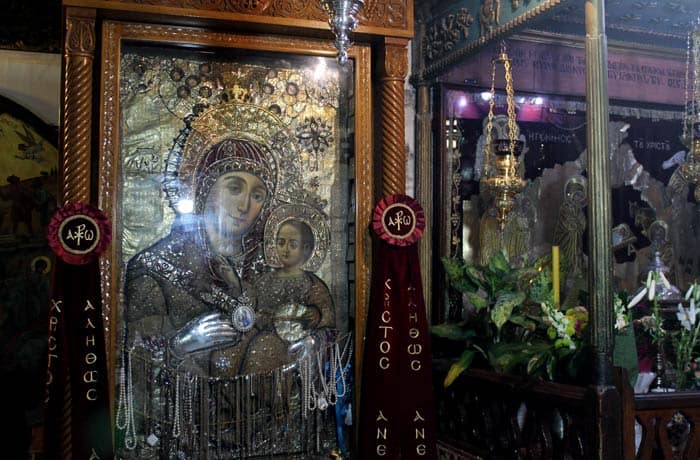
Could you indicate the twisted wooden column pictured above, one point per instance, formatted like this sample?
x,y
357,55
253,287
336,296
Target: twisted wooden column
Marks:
x,y
394,57
74,179
79,50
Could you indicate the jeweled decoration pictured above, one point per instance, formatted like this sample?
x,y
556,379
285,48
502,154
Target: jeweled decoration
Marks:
x,y
503,179
342,17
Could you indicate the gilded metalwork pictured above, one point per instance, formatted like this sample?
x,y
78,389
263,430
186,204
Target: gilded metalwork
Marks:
x,y
288,113
198,131
345,241
505,181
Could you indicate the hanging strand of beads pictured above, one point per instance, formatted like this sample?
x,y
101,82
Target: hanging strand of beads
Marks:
x,y
282,411
690,168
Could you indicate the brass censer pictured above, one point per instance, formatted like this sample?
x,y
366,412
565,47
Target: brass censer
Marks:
x,y
502,156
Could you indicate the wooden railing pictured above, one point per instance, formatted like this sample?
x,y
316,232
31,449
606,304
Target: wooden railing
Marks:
x,y
661,425
484,415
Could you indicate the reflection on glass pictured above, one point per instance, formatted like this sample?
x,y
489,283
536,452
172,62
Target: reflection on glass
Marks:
x,y
232,319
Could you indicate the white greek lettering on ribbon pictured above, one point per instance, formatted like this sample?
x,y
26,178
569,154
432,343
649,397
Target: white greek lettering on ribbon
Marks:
x,y
90,376
80,233
381,434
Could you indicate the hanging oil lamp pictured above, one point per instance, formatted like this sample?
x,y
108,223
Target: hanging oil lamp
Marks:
x,y
342,17
690,168
501,176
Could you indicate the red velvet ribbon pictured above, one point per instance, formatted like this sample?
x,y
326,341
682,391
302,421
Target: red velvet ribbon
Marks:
x,y
78,233
397,414
77,413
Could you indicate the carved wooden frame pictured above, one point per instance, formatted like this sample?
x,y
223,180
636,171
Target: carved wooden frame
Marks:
x,y
113,33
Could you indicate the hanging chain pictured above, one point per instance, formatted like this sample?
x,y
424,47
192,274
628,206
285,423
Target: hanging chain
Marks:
x,y
696,73
489,123
510,103
686,118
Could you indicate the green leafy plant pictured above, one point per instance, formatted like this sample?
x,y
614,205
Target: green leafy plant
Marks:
x,y
512,324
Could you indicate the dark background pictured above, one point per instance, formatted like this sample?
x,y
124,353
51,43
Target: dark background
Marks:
x,y
30,25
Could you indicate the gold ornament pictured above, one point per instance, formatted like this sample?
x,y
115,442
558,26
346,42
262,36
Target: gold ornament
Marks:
x,y
504,181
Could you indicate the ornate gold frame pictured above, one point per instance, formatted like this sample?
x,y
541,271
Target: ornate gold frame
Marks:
x,y
113,34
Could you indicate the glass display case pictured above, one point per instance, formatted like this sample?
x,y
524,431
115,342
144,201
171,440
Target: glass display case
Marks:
x,y
228,166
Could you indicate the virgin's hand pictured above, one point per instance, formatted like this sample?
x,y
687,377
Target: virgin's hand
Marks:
x,y
206,331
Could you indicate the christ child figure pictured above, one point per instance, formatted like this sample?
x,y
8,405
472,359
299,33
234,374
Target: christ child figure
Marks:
x,y
294,308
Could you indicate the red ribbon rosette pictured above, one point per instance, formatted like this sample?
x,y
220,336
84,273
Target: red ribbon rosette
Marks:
x,y
399,220
78,233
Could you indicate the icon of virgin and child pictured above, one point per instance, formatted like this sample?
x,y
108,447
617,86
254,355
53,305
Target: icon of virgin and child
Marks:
x,y
229,294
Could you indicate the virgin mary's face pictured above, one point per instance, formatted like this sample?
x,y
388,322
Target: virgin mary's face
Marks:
x,y
234,203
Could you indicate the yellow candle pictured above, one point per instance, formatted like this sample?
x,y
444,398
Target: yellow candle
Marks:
x,y
555,273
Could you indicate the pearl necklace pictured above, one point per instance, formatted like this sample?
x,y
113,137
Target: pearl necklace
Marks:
x,y
343,368
322,375
176,421
125,406
327,393
307,384
330,367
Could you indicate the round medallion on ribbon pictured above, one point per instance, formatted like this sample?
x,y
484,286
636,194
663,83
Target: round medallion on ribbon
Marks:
x,y
399,220
78,233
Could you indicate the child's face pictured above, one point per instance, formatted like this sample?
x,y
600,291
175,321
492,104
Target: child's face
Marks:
x,y
290,246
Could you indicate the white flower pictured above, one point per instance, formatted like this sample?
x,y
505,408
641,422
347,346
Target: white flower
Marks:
x,y
687,317
689,292
621,320
620,323
636,299
665,280
559,321
693,291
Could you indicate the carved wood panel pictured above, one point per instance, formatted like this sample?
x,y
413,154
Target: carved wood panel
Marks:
x,y
389,14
